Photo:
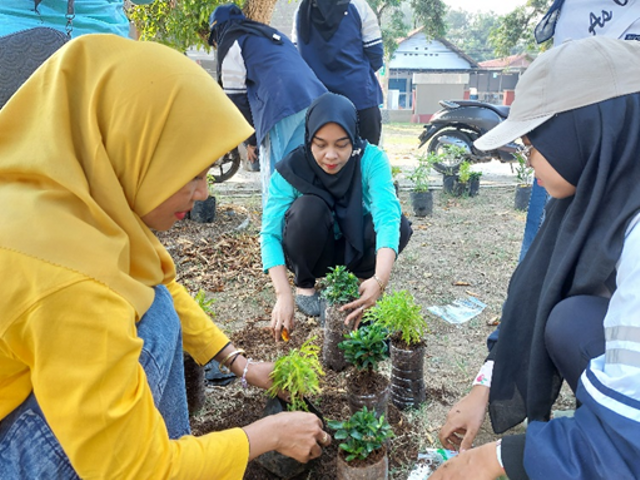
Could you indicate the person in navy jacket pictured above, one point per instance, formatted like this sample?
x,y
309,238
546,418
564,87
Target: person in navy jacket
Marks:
x,y
342,42
264,75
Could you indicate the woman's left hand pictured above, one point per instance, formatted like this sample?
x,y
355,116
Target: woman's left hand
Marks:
x,y
480,463
369,293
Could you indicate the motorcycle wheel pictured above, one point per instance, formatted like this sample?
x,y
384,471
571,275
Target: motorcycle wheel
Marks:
x,y
448,137
226,166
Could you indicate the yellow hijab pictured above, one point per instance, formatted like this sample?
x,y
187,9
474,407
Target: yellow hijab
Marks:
x,y
101,134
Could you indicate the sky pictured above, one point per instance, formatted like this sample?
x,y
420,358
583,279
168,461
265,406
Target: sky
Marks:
x,y
499,6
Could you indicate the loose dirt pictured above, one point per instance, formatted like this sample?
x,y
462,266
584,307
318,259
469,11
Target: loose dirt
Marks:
x,y
468,247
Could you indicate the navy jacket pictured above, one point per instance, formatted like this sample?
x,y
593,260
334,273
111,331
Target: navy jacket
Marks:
x,y
348,61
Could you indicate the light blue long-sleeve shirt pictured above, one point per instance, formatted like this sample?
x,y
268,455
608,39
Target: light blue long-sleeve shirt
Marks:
x,y
378,199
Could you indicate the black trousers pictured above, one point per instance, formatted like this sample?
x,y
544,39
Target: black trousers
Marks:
x,y
574,334
370,124
310,246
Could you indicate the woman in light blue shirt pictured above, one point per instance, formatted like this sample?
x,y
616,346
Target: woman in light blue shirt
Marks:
x,y
331,202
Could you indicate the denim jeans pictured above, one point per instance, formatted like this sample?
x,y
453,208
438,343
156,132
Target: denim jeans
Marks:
x,y
29,449
535,217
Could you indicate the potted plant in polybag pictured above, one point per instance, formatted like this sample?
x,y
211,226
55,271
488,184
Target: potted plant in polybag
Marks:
x,y
365,348
421,194
339,287
524,177
297,373
400,314
363,453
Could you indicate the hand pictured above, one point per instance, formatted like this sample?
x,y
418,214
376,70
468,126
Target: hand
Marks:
x,y
259,374
298,435
251,153
282,315
369,293
478,463
465,419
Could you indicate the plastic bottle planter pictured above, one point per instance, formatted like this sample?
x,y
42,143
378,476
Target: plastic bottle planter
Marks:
x,y
422,203
334,330
523,194
204,211
407,382
368,389
194,384
276,463
364,469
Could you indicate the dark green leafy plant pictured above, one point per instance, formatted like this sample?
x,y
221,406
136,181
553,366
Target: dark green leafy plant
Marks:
x,y
366,346
340,286
363,433
298,373
399,312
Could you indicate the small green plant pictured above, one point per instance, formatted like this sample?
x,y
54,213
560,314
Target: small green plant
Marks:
x,y
363,433
211,180
206,305
399,312
420,174
395,171
474,176
464,174
524,173
340,286
366,346
298,373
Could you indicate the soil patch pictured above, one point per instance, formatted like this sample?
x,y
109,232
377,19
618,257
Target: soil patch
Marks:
x,y
468,247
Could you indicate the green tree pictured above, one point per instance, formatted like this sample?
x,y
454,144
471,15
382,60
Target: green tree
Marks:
x,y
514,33
470,32
181,24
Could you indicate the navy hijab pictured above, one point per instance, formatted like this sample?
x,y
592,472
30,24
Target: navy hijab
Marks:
x,y
322,15
597,149
342,192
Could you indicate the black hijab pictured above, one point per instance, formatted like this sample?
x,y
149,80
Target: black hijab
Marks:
x,y
323,15
342,191
227,23
597,149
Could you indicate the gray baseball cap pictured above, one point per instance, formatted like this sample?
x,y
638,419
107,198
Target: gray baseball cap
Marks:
x,y
575,74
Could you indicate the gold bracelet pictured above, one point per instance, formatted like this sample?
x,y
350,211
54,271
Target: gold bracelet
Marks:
x,y
380,284
221,365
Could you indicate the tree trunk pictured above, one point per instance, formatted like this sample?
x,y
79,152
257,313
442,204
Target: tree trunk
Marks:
x,y
259,10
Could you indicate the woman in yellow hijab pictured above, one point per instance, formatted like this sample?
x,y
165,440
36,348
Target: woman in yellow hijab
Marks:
x,y
109,139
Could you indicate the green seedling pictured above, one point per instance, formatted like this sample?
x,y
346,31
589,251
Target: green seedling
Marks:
x,y
297,373
363,433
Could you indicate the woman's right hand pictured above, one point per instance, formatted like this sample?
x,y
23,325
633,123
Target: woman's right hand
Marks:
x,y
298,435
465,419
282,315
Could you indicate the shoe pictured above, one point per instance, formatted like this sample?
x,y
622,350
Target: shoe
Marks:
x,y
309,304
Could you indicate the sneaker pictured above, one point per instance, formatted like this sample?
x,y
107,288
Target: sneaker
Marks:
x,y
309,304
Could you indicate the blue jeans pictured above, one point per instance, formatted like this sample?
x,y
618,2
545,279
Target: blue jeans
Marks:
x,y
30,450
535,217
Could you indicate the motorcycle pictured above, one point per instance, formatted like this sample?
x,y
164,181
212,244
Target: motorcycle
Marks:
x,y
459,123
226,166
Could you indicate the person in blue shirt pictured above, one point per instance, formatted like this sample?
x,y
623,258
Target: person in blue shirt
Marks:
x,y
263,74
342,42
331,202
572,312
89,16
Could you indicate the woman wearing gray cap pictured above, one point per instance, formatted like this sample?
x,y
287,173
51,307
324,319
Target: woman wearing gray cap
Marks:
x,y
573,306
